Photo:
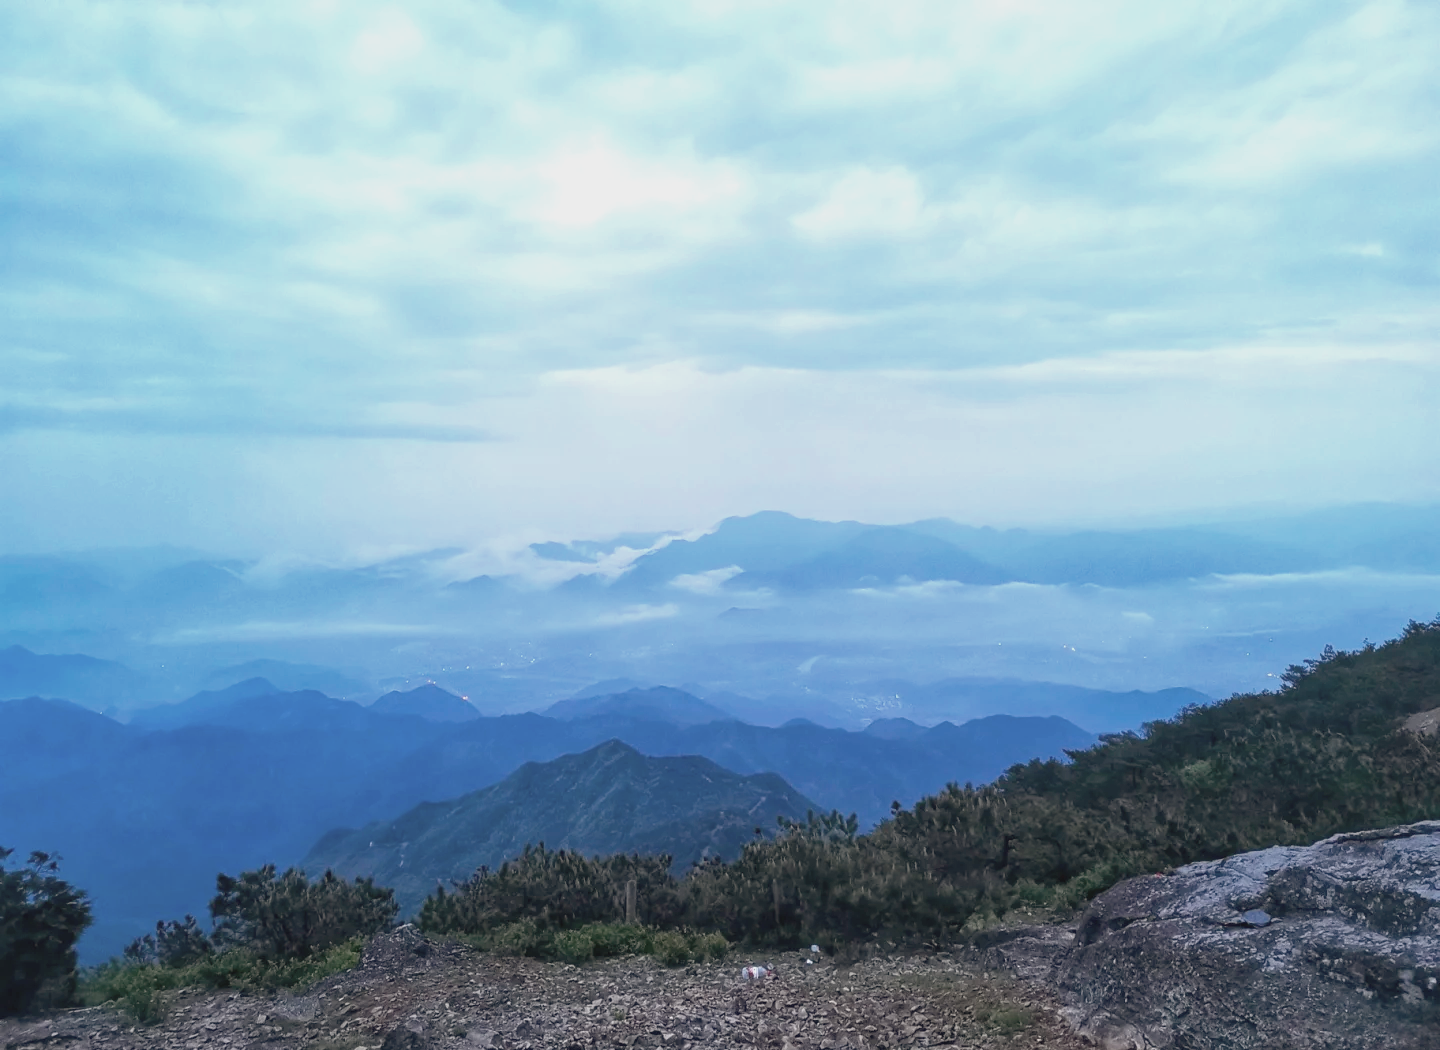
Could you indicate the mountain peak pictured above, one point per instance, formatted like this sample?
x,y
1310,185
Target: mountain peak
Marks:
x,y
428,701
658,704
608,799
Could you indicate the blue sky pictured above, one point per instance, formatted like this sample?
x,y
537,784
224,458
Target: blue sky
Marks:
x,y
335,278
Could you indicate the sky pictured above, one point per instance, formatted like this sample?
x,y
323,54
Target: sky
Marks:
x,y
341,278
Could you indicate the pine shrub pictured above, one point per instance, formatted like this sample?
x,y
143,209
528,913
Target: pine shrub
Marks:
x,y
41,918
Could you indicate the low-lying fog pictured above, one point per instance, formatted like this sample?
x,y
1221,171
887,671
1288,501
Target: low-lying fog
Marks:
x,y
780,617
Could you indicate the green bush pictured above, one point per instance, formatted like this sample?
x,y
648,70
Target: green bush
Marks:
x,y
287,917
41,918
574,946
808,885
139,988
611,939
601,940
671,948
172,944
556,890
522,937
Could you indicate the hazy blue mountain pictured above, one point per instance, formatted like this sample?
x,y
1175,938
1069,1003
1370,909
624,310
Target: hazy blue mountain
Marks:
x,y
193,583
779,550
855,772
477,587
287,677
257,706
778,710
146,813
894,729
84,679
877,557
608,799
1098,710
609,687
209,706
31,584
429,702
145,819
658,704
1386,536
1121,558
764,542
47,738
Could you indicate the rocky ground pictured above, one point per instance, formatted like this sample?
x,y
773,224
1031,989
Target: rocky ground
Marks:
x,y
410,993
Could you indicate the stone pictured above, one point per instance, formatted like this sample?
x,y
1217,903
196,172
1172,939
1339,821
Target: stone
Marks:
x,y
1347,954
410,1035
1424,723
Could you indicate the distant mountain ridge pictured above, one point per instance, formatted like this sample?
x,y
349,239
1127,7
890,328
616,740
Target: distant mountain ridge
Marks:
x,y
608,799
778,549
70,676
429,702
146,813
656,704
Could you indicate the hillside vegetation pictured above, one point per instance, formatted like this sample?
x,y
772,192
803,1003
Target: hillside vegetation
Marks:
x,y
1327,753
609,799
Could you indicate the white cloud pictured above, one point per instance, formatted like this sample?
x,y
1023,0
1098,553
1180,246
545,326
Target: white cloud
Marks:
x,y
865,202
390,39
710,582
629,238
595,452
268,631
595,182
636,614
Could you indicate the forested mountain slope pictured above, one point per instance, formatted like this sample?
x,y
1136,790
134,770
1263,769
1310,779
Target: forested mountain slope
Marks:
x,y
610,799
1327,753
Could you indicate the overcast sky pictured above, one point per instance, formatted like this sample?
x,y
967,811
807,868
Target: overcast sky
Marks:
x,y
338,278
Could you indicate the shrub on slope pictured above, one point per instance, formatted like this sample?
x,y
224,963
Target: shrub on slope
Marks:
x,y
41,918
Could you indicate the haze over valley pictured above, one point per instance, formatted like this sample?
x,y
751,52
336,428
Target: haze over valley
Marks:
x,y
781,617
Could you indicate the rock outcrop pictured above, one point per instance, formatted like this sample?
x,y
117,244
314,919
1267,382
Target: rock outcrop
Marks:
x,y
1331,945
1424,723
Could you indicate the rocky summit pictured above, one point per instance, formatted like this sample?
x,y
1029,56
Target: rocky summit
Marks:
x,y
414,993
1289,948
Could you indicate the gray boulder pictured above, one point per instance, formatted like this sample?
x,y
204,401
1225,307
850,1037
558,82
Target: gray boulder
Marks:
x,y
1331,945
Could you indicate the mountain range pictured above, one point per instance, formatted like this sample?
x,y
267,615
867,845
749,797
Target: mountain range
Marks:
x,y
801,616
146,813
610,799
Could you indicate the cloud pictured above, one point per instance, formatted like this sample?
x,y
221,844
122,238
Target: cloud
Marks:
x,y
866,202
710,582
365,225
596,452
636,614
267,631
